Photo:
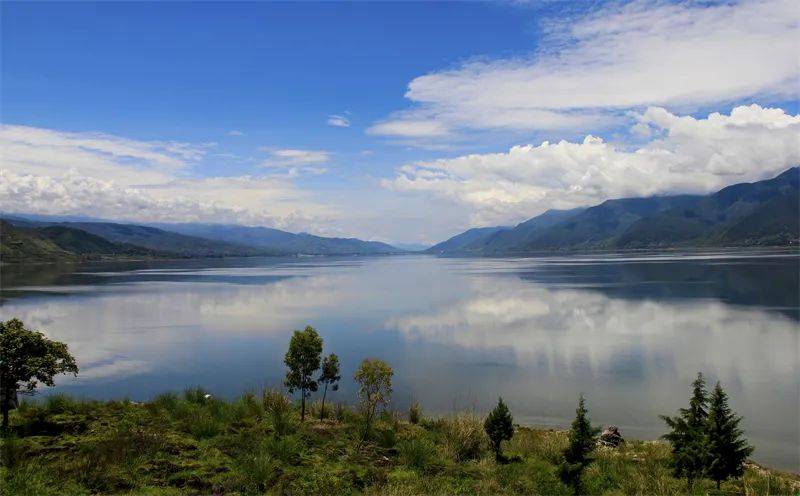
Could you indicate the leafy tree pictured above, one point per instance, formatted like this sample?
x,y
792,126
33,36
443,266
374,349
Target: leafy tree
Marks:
x,y
27,357
374,378
302,359
688,435
329,377
499,426
727,447
581,443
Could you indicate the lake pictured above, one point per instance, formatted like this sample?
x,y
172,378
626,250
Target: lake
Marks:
x,y
628,331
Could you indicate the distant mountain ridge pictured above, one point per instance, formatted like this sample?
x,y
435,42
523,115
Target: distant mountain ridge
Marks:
x,y
42,239
760,213
283,241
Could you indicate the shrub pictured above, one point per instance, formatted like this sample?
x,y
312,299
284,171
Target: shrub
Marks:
x,y
464,438
386,436
287,449
417,453
196,395
414,413
278,408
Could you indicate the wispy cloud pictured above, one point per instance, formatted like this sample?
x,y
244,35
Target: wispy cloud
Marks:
x,y
589,70
235,132
338,121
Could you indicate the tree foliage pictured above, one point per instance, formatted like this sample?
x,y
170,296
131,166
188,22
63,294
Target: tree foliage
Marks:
x,y
727,447
330,376
499,426
302,360
27,358
688,434
374,379
577,455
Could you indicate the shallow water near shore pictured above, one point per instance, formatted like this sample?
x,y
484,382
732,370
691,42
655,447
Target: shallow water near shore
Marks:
x,y
630,331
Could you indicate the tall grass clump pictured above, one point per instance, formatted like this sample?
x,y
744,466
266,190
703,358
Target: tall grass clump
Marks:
x,y
279,411
465,438
418,454
415,413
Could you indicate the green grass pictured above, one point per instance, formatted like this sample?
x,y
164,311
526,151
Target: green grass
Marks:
x,y
194,444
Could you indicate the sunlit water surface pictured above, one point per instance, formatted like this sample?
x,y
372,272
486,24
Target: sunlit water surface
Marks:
x,y
630,332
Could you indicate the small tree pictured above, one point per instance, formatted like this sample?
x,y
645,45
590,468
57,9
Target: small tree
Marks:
x,y
688,435
499,426
727,447
374,378
302,359
329,377
581,443
27,357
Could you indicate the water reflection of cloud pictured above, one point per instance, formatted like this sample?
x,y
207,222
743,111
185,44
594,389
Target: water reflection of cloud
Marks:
x,y
601,335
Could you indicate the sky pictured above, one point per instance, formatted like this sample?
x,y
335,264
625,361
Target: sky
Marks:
x,y
404,122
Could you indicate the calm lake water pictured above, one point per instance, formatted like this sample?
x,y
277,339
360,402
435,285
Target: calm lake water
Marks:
x,y
630,332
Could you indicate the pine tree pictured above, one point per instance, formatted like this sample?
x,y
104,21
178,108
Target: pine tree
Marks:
x,y
581,443
499,426
688,435
727,447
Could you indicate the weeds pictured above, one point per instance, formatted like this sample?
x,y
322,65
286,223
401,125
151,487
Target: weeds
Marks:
x,y
194,444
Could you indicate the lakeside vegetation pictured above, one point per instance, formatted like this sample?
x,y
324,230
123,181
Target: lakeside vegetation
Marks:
x,y
195,443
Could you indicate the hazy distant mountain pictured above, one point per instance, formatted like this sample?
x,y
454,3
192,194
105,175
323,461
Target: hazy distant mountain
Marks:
x,y
282,241
411,247
147,240
471,240
762,213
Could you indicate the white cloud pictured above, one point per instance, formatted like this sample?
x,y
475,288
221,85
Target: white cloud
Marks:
x,y
54,172
338,121
297,162
410,128
588,70
685,155
235,132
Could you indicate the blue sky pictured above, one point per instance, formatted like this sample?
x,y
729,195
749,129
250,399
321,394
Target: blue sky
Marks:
x,y
224,112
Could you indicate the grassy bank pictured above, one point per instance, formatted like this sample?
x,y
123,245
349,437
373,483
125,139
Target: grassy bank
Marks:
x,y
193,444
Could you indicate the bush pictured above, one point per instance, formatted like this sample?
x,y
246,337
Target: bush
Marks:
x,y
386,436
414,413
418,453
278,408
464,438
196,395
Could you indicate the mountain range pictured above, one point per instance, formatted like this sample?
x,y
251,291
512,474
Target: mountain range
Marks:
x,y
38,239
761,213
748,214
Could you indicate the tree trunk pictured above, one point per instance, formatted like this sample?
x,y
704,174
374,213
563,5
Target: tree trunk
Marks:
x,y
322,410
302,404
718,485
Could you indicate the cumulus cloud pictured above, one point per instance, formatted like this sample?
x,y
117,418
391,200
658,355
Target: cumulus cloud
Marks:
x,y
684,154
338,121
55,172
588,70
